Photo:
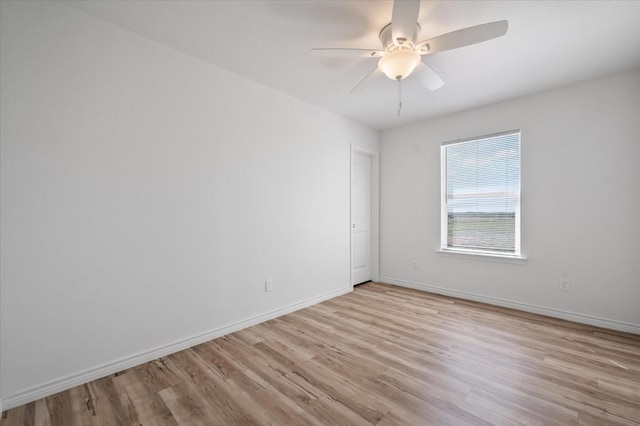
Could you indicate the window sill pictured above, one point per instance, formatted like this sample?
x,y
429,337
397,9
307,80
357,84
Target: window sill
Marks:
x,y
490,257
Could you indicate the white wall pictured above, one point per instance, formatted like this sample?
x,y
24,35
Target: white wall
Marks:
x,y
580,204
147,195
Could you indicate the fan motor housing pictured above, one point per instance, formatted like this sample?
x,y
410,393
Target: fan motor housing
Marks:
x,y
386,39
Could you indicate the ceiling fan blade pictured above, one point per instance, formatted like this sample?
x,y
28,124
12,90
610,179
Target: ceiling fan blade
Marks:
x,y
463,37
366,82
404,19
347,53
428,77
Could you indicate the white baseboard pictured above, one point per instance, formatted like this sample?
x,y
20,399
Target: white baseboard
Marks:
x,y
76,379
1,406
556,313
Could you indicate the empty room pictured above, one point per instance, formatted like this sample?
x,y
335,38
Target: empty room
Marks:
x,y
323,212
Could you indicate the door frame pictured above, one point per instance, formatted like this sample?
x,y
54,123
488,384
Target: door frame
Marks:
x,y
375,211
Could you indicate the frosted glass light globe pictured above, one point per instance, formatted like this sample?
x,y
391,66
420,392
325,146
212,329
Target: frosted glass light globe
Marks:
x,y
398,64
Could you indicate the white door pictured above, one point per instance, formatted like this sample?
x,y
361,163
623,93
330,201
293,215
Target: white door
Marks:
x,y
360,218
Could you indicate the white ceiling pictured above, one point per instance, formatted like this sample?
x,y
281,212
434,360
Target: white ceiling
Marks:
x,y
549,44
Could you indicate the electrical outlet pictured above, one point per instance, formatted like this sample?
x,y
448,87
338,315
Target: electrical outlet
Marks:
x,y
268,286
565,285
414,264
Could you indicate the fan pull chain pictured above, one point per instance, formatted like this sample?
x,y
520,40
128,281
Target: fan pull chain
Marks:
x,y
399,97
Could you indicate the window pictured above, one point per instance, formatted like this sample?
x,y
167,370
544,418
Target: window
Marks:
x,y
481,195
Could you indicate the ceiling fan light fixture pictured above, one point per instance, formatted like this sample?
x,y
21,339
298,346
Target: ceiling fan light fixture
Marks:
x,y
398,64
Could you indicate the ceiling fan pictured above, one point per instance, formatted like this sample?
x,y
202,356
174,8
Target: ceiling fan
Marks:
x,y
401,56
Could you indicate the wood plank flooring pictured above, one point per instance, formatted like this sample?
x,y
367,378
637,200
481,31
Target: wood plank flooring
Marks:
x,y
382,355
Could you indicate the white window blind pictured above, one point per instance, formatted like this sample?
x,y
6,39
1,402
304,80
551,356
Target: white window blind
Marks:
x,y
481,194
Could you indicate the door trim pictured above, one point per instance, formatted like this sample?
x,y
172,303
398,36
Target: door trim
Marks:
x,y
375,211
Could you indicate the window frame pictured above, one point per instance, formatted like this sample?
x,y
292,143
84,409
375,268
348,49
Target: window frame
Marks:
x,y
444,215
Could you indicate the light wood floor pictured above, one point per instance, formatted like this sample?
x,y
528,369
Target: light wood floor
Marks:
x,y
381,355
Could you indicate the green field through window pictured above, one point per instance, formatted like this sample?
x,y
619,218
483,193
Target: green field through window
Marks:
x,y
489,231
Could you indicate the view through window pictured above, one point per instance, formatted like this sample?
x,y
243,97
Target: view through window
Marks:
x,y
481,194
